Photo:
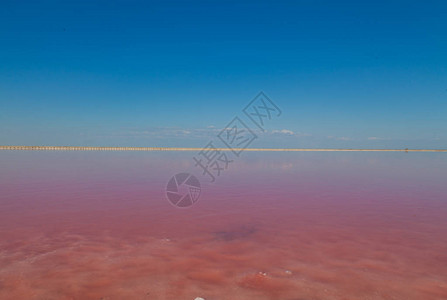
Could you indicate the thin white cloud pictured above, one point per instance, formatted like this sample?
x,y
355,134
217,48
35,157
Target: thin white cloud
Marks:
x,y
339,138
208,132
283,131
287,132
375,138
165,132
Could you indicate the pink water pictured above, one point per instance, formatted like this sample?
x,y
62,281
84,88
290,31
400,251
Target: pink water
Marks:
x,y
96,225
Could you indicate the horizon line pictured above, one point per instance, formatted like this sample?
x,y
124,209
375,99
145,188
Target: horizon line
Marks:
x,y
83,148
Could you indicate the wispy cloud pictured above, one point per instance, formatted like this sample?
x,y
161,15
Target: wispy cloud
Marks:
x,y
339,138
287,132
165,132
375,138
283,131
208,132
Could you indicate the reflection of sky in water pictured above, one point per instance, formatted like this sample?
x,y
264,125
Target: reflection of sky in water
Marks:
x,y
319,225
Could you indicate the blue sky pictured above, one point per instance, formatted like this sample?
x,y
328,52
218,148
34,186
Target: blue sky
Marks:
x,y
166,73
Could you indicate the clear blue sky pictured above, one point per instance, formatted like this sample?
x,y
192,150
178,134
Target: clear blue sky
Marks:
x,y
165,73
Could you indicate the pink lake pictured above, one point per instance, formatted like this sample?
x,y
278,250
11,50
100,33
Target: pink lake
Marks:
x,y
289,226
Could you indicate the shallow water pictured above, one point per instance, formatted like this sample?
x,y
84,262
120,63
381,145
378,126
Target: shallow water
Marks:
x,y
97,225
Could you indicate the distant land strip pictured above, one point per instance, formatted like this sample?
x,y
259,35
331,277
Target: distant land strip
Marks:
x,y
74,148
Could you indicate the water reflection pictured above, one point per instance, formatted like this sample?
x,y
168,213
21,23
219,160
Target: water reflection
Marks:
x,y
92,225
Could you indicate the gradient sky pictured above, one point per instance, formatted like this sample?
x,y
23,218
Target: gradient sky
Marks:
x,y
166,73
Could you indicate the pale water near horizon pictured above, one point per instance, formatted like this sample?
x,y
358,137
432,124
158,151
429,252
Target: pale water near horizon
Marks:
x,y
289,226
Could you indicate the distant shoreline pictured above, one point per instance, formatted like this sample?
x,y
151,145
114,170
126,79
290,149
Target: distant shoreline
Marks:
x,y
74,148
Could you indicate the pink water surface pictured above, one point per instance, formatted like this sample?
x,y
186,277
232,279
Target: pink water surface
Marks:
x,y
97,225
